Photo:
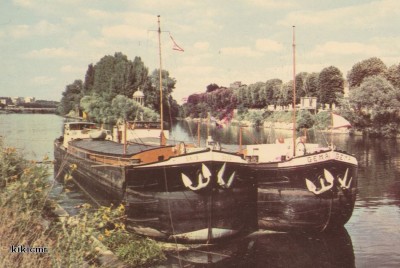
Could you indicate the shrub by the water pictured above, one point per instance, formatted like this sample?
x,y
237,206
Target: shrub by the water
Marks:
x,y
27,223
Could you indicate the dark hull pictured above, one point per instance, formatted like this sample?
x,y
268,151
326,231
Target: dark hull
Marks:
x,y
106,184
160,205
163,206
287,202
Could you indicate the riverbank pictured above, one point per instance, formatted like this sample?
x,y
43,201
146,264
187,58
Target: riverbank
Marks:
x,y
283,120
32,234
23,110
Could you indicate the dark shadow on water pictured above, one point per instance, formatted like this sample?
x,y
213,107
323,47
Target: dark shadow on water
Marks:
x,y
70,197
259,249
268,249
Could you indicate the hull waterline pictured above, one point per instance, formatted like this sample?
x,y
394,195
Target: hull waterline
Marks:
x,y
184,198
309,193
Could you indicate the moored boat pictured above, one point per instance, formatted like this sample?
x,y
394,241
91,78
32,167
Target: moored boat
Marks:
x,y
312,191
170,192
303,186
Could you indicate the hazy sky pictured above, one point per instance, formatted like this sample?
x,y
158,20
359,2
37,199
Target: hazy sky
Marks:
x,y
47,44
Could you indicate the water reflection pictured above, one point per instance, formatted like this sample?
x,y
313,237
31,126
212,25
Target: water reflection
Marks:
x,y
267,249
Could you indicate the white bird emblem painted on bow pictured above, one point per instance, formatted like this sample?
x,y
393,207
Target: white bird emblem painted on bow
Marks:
x,y
328,177
343,183
221,181
205,173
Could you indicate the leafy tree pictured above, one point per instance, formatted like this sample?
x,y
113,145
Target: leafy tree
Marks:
x,y
286,94
89,79
301,79
243,96
121,108
116,76
304,119
376,103
256,95
330,82
256,117
103,75
71,97
311,85
323,120
272,87
152,94
365,68
393,75
212,87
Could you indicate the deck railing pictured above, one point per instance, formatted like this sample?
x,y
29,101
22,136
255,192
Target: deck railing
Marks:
x,y
101,158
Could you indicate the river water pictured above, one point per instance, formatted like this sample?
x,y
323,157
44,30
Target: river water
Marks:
x,y
370,239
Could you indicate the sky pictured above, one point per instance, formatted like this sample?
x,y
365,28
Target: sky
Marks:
x,y
48,44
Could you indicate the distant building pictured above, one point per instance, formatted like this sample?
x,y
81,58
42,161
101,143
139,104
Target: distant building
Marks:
x,y
29,99
18,100
138,96
346,89
236,84
308,103
5,101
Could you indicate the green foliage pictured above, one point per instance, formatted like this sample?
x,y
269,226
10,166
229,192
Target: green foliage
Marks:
x,y
120,108
25,209
304,119
286,94
281,117
366,68
113,77
323,120
23,204
301,83
330,82
212,87
11,164
22,181
376,103
109,224
219,103
134,250
256,117
393,75
310,85
71,97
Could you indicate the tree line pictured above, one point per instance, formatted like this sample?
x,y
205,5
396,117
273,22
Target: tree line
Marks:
x,y
107,90
372,105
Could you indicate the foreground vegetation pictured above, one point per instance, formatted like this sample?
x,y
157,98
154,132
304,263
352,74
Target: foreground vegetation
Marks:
x,y
27,221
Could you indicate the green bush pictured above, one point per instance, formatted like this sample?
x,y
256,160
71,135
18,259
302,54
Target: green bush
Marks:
x,y
134,250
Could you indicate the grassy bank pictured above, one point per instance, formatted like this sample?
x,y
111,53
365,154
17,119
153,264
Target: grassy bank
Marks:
x,y
304,119
31,236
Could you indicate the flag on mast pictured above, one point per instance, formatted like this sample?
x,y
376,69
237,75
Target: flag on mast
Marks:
x,y
176,47
338,121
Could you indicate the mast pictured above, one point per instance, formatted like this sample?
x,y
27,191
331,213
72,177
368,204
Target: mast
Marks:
x,y
332,130
294,93
240,139
198,133
161,91
125,136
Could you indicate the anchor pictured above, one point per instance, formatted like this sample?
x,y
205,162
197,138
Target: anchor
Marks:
x,y
328,177
205,173
342,182
221,181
